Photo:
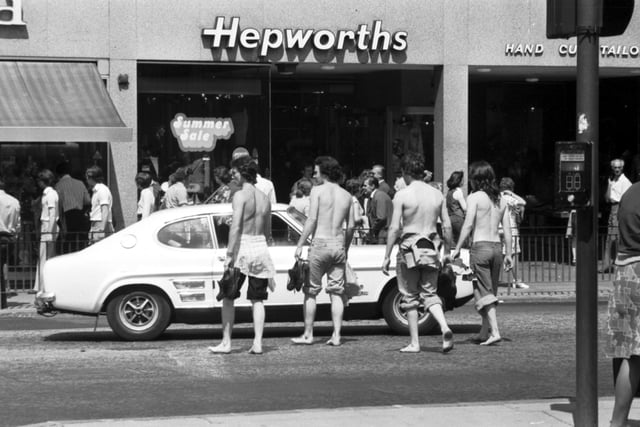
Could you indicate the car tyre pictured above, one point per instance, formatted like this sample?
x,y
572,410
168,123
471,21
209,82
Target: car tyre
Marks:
x,y
396,317
139,315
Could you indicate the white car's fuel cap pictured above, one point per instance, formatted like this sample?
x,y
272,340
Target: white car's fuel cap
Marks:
x,y
128,241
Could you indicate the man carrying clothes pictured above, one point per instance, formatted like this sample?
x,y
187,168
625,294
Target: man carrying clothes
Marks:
x,y
329,212
624,307
101,205
617,185
248,252
486,209
416,209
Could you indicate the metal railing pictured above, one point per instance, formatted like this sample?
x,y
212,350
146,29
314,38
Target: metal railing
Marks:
x,y
545,257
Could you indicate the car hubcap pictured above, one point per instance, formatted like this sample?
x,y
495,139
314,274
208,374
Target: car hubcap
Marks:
x,y
138,312
401,314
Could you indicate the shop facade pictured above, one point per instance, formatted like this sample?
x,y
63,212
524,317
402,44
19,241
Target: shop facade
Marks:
x,y
364,81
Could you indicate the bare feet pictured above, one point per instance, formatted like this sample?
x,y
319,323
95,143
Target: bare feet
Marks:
x,y
255,349
447,341
302,340
222,348
493,339
479,338
334,342
411,348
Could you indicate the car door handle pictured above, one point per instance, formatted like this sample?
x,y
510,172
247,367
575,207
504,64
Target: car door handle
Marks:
x,y
222,258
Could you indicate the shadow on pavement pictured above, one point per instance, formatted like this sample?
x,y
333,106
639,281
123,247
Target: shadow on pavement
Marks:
x,y
245,331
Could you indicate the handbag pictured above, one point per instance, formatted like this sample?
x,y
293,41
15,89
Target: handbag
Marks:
x,y
230,284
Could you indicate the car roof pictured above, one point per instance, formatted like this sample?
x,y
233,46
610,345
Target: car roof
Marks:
x,y
203,209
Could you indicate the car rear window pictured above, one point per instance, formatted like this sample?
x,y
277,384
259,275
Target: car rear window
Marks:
x,y
192,233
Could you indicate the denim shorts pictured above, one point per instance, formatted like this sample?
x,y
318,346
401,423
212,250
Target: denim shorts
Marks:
x,y
486,261
326,256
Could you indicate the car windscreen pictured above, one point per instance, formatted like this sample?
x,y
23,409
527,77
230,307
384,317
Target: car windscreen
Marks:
x,y
297,216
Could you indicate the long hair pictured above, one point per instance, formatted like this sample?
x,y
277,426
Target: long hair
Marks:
x,y
482,178
247,168
455,180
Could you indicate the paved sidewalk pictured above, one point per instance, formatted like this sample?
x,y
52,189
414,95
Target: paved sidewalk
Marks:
x,y
553,412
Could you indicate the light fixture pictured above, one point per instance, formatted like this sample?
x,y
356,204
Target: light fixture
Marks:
x,y
286,68
327,67
484,70
532,80
636,71
123,81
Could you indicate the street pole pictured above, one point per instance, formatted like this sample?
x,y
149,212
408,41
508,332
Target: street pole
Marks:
x,y
587,115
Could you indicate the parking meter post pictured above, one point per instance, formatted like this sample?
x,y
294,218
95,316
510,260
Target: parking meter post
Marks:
x,y
587,117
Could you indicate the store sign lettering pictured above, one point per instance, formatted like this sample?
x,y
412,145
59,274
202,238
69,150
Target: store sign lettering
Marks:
x,y
268,39
522,49
200,134
571,50
11,14
606,51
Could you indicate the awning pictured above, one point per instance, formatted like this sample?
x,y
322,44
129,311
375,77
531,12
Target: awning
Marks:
x,y
57,101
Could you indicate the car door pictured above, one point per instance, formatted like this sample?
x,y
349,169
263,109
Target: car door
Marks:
x,y
188,244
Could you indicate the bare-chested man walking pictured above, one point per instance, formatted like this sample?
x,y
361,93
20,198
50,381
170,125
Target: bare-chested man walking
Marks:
x,y
485,211
329,211
416,209
248,251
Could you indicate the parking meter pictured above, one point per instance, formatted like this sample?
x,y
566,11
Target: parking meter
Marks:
x,y
572,177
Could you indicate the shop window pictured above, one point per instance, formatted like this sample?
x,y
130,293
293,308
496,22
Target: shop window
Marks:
x,y
192,233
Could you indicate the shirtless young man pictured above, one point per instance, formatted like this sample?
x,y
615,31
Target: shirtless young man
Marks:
x,y
248,251
485,211
329,211
416,209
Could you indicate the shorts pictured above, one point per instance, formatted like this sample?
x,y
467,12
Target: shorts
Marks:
x,y
418,286
623,323
486,261
326,256
257,290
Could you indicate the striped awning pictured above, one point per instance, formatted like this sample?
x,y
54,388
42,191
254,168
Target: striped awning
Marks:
x,y
57,101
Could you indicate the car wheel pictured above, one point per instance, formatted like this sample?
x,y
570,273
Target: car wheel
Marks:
x,y
139,315
396,317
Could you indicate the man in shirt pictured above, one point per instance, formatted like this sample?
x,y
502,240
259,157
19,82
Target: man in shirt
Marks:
x,y
9,229
48,223
177,193
101,205
378,173
74,198
379,210
618,184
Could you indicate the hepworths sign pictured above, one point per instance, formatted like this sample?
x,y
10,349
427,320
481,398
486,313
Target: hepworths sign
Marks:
x,y
200,134
363,38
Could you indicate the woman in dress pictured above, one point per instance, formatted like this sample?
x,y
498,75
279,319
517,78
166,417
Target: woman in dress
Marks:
x,y
354,187
223,192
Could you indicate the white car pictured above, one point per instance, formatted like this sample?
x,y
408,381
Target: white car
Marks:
x,y
165,269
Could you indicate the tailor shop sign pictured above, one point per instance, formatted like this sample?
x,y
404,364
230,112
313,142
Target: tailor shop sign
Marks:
x,y
200,134
571,50
364,38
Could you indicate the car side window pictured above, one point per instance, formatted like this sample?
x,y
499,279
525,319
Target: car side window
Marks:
x,y
222,223
282,233
192,233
